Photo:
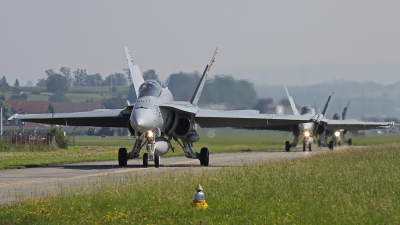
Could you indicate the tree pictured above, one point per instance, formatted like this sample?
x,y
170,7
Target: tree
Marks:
x,y
4,86
131,94
61,140
56,83
16,83
80,77
59,97
114,103
151,75
94,80
6,107
118,79
66,72
29,83
41,82
49,72
182,85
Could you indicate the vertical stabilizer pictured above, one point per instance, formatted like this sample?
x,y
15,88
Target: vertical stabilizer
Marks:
x,y
345,111
327,104
200,86
137,78
294,109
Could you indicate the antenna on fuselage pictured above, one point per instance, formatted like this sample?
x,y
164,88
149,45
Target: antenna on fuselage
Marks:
x,y
200,86
136,75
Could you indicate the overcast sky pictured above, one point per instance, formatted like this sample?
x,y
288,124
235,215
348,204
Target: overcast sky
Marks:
x,y
280,42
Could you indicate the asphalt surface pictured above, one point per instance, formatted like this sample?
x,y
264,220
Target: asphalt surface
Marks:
x,y
22,184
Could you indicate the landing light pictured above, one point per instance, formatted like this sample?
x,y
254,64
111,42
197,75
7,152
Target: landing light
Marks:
x,y
337,133
150,134
307,134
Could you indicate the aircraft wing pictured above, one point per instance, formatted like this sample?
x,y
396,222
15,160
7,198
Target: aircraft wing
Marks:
x,y
245,119
355,125
95,118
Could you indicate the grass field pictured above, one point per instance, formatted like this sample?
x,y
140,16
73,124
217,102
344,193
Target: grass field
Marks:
x,y
360,186
95,148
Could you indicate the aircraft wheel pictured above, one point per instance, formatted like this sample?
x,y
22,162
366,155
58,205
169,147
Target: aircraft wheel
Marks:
x,y
204,156
122,157
287,146
304,147
309,147
156,161
349,141
330,145
145,160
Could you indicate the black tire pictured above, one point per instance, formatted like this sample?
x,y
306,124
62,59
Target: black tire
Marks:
x,y
309,147
156,161
204,156
304,147
122,157
330,145
349,142
287,146
145,160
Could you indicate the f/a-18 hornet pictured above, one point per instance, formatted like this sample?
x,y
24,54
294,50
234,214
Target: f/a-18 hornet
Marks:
x,y
155,119
322,126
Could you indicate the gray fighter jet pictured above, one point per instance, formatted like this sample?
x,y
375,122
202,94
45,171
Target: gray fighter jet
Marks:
x,y
318,127
338,135
155,119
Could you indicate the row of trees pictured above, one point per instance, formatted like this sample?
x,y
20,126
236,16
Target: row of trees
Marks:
x,y
4,86
64,79
222,89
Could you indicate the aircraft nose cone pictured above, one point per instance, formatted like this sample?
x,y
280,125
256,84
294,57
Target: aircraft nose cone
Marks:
x,y
142,120
306,126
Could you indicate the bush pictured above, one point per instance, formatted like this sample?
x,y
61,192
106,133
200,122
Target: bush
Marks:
x,y
61,140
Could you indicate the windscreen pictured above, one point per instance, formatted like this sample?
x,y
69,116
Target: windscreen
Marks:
x,y
305,110
149,88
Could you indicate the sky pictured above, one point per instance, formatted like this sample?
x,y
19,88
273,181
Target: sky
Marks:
x,y
267,42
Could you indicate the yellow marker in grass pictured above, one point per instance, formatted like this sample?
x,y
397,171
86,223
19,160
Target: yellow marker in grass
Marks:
x,y
198,199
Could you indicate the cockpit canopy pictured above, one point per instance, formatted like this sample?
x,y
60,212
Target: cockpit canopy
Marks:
x,y
150,88
305,110
337,116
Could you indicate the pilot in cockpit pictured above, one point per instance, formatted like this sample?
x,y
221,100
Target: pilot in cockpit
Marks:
x,y
150,88
305,110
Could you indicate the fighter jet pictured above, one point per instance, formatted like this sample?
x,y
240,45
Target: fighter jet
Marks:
x,y
319,125
338,134
155,119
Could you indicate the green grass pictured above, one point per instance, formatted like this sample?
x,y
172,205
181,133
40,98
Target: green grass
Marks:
x,y
96,148
360,186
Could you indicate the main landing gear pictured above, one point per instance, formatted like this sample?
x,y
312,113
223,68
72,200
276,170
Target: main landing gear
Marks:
x,y
204,157
123,156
